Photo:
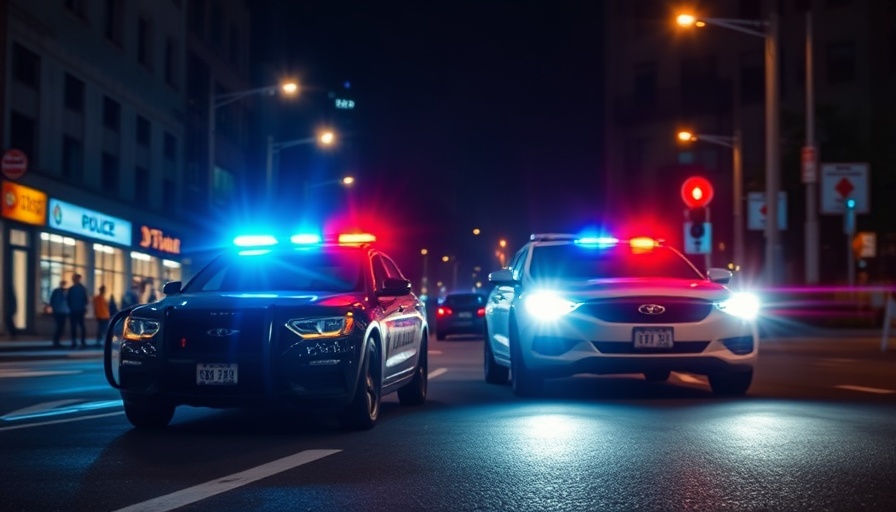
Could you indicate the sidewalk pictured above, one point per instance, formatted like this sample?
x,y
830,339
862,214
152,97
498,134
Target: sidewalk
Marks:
x,y
26,347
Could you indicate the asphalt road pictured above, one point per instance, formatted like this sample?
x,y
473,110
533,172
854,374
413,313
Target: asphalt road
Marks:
x,y
815,432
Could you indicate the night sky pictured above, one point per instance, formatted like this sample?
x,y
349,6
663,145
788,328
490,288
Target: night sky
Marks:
x,y
469,113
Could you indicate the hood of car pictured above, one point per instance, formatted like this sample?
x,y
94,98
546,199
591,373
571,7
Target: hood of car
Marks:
x,y
249,300
641,287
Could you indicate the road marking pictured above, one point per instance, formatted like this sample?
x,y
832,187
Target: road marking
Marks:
x,y
831,361
58,408
202,491
434,352
69,420
689,379
17,373
864,389
438,371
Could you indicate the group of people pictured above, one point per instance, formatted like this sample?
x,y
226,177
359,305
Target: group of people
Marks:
x,y
69,305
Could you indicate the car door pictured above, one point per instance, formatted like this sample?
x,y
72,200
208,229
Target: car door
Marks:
x,y
498,309
404,327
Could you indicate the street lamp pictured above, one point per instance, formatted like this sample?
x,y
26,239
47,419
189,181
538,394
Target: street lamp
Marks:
x,y
768,30
424,280
326,138
345,181
216,101
735,143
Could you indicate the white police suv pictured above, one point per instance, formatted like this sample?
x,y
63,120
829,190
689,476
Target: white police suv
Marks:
x,y
294,322
600,305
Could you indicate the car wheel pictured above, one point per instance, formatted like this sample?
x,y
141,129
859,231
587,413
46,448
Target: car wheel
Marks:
x,y
494,373
732,383
364,409
149,414
657,375
524,381
414,392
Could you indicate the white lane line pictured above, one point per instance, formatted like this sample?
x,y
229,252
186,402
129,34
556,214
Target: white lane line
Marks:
x,y
438,371
69,420
202,491
864,389
15,373
689,379
434,352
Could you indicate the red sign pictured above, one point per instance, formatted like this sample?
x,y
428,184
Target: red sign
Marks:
x,y
696,191
14,164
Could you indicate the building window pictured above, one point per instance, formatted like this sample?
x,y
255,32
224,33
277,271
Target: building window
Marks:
x,y
109,173
645,81
223,187
143,131
170,147
77,7
141,184
144,43
114,22
72,158
25,66
60,257
233,50
22,130
169,194
841,62
171,62
111,114
108,271
196,16
74,94
144,269
217,27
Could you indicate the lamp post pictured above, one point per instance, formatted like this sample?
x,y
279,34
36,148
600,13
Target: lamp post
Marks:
x,y
345,181
325,139
768,30
216,101
424,280
810,167
734,142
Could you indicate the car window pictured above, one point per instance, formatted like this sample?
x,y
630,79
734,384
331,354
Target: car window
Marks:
x,y
391,268
311,270
379,271
519,259
573,261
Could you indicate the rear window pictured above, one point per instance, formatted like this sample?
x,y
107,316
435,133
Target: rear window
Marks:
x,y
471,299
582,262
333,269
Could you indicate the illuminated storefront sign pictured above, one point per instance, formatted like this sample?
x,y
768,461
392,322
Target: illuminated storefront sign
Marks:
x,y
24,204
81,221
155,239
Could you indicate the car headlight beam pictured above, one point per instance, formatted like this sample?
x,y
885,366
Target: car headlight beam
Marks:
x,y
315,328
548,305
741,305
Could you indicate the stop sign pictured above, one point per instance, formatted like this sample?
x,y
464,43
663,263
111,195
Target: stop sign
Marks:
x,y
14,164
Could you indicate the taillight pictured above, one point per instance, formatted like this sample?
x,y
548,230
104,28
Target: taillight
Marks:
x,y
480,312
443,311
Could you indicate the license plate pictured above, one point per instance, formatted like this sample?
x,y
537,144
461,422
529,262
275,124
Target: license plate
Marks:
x,y
215,374
652,337
465,314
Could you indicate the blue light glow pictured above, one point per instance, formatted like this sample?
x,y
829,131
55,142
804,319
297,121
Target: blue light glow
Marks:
x,y
305,238
600,241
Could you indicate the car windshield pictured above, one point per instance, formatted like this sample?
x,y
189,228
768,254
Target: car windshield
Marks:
x,y
464,300
583,262
333,269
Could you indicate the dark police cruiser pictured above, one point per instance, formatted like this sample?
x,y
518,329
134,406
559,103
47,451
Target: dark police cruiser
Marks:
x,y
296,322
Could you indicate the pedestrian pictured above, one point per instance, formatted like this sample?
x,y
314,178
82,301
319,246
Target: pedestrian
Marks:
x,y
77,310
101,313
113,306
131,297
59,308
12,307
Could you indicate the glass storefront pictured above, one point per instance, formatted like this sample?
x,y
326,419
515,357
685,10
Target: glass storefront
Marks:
x,y
108,270
60,257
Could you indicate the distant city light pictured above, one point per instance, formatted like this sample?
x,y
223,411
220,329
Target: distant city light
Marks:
x,y
345,104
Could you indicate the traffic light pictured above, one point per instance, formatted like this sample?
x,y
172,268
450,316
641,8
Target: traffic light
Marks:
x,y
697,216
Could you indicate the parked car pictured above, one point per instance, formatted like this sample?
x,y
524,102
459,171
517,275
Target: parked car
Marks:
x,y
460,313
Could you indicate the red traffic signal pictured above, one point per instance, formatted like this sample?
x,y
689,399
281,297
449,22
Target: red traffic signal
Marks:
x,y
696,191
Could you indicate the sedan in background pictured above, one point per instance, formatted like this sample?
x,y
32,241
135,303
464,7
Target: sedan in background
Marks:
x,y
460,313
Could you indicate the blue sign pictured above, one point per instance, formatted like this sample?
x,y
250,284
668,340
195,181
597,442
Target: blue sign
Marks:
x,y
81,221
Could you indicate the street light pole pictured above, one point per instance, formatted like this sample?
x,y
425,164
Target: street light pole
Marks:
x,y
273,151
810,169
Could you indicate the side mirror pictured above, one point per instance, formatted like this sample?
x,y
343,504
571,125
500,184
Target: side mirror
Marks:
x,y
501,277
171,288
394,287
719,275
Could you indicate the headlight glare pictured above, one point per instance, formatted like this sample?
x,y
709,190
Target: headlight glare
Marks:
x,y
741,305
314,328
548,305
140,329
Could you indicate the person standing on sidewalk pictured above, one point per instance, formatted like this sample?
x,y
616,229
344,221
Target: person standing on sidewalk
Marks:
x,y
59,308
77,310
101,313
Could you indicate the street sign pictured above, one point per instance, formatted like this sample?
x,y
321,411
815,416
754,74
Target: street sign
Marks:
x,y
840,182
810,164
702,245
756,211
14,164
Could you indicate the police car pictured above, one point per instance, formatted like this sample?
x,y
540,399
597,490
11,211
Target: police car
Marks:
x,y
569,304
303,321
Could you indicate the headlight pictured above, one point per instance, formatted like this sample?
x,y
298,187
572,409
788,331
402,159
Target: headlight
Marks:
x,y
742,305
140,329
313,328
548,305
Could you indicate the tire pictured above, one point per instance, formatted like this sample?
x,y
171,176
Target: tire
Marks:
x,y
657,375
524,381
731,383
149,414
414,392
364,409
494,373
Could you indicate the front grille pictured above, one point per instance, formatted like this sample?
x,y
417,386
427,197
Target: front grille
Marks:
x,y
627,310
627,347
